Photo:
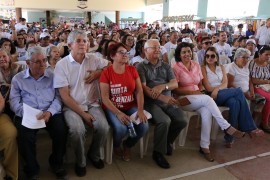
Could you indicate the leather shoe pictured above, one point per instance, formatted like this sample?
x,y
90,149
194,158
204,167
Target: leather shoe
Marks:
x,y
169,149
160,160
206,153
80,171
99,164
33,177
59,171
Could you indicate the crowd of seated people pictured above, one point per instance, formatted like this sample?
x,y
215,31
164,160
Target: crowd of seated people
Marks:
x,y
96,77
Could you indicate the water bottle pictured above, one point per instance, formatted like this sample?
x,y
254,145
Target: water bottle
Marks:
x,y
131,130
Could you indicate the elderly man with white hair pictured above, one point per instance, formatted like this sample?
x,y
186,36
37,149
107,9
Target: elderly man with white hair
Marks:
x,y
158,80
34,87
76,78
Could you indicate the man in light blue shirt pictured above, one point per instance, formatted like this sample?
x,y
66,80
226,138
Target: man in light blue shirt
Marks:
x,y
34,87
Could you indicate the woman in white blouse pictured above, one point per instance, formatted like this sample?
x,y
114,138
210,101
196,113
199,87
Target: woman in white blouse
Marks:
x,y
215,82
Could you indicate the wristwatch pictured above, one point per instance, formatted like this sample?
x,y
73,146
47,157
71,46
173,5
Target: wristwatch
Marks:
x,y
166,87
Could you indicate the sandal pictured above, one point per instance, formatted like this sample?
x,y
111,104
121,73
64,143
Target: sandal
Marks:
x,y
265,128
126,153
118,152
229,144
207,155
255,133
234,132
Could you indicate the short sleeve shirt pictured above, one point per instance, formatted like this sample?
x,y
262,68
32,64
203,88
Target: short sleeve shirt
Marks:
x,y
241,77
70,73
122,86
188,80
154,75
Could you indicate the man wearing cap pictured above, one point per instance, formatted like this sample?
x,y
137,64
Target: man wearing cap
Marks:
x,y
44,40
263,34
34,87
251,46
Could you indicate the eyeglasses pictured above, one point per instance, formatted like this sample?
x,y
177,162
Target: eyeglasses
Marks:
x,y
212,56
130,39
123,53
20,38
155,47
43,61
207,42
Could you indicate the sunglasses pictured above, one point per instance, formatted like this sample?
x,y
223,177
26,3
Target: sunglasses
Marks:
x,y
212,56
207,43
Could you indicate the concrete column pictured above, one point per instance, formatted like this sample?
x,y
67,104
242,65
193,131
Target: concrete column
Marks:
x,y
166,7
117,18
202,8
48,18
18,14
263,9
89,15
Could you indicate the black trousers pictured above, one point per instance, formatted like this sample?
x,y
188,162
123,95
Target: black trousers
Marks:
x,y
27,143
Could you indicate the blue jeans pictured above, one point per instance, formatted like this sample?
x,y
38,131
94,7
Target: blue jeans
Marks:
x,y
239,113
120,130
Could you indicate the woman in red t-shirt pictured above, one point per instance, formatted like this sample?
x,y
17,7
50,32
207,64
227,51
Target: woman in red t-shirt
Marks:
x,y
118,84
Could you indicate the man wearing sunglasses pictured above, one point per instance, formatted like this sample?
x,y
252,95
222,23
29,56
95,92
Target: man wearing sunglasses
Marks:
x,y
206,43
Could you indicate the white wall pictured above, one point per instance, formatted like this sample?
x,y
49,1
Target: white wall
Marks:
x,y
97,5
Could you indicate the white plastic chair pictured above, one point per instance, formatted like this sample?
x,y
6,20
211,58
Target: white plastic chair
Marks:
x,y
183,133
2,172
214,129
109,147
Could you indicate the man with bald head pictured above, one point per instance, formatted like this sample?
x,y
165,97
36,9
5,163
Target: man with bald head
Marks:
x,y
158,81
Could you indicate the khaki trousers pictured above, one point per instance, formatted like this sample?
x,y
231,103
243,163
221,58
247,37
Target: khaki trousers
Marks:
x,y
8,143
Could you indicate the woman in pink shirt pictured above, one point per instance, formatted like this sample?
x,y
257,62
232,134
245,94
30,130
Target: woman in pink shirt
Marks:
x,y
189,76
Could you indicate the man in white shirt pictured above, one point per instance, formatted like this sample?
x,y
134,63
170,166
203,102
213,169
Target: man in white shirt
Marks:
x,y
202,31
263,34
21,25
173,41
223,48
80,95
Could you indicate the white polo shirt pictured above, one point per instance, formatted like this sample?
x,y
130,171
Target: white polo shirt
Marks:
x,y
263,35
70,73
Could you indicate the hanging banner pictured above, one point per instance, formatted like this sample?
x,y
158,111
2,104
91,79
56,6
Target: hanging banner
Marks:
x,y
175,19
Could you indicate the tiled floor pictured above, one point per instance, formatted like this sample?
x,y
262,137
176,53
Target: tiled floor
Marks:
x,y
186,162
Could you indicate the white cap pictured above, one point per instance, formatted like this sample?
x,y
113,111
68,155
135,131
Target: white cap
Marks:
x,y
43,35
251,41
187,40
44,30
100,35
